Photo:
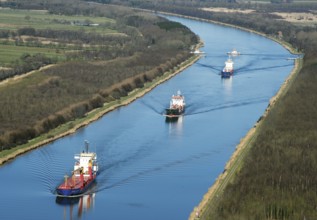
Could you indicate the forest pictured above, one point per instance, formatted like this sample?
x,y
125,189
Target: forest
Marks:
x,y
277,177
99,63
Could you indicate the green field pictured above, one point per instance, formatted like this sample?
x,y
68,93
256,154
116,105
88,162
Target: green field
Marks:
x,y
12,20
10,53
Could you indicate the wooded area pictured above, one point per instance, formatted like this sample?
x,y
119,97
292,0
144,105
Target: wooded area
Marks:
x,y
96,63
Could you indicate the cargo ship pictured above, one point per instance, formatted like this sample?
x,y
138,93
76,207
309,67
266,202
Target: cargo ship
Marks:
x,y
234,52
177,106
228,69
82,177
197,52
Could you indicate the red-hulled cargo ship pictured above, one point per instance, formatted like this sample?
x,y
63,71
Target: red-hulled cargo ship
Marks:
x,y
83,175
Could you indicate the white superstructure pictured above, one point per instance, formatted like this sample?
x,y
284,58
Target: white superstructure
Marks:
x,y
228,65
85,160
177,101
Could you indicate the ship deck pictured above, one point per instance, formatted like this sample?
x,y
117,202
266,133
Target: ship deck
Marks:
x,y
73,183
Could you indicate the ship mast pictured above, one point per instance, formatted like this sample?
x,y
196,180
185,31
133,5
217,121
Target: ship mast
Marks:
x,y
86,146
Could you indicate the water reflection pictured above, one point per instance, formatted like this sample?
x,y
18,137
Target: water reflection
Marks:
x,y
76,206
175,125
227,84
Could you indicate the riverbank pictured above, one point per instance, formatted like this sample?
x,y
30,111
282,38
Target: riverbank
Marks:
x,y
72,126
236,161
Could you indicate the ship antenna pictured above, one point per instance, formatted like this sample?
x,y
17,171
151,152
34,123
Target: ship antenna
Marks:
x,y
86,146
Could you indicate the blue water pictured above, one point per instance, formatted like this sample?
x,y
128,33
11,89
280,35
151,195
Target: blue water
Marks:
x,y
150,169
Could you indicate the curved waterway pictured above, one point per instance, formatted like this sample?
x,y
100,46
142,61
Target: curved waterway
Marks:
x,y
151,169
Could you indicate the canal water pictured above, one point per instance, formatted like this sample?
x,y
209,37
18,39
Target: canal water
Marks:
x,y
151,169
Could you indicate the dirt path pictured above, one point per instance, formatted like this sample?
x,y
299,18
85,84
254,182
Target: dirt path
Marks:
x,y
18,77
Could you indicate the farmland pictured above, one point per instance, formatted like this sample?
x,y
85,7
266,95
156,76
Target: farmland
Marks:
x,y
13,45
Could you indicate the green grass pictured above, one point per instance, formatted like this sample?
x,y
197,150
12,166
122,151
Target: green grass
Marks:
x,y
10,53
11,19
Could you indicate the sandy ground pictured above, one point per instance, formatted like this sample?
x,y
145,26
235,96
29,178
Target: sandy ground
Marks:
x,y
298,17
227,10
18,77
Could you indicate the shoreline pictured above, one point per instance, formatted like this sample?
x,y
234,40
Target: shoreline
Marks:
x,y
68,128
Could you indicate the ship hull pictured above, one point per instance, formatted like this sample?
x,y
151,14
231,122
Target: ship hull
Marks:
x,y
77,188
226,74
173,113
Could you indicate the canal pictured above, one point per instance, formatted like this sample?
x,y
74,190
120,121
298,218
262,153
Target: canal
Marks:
x,y
151,169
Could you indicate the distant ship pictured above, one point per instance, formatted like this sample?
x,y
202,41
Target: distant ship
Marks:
x,y
228,69
197,52
177,106
83,175
234,52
